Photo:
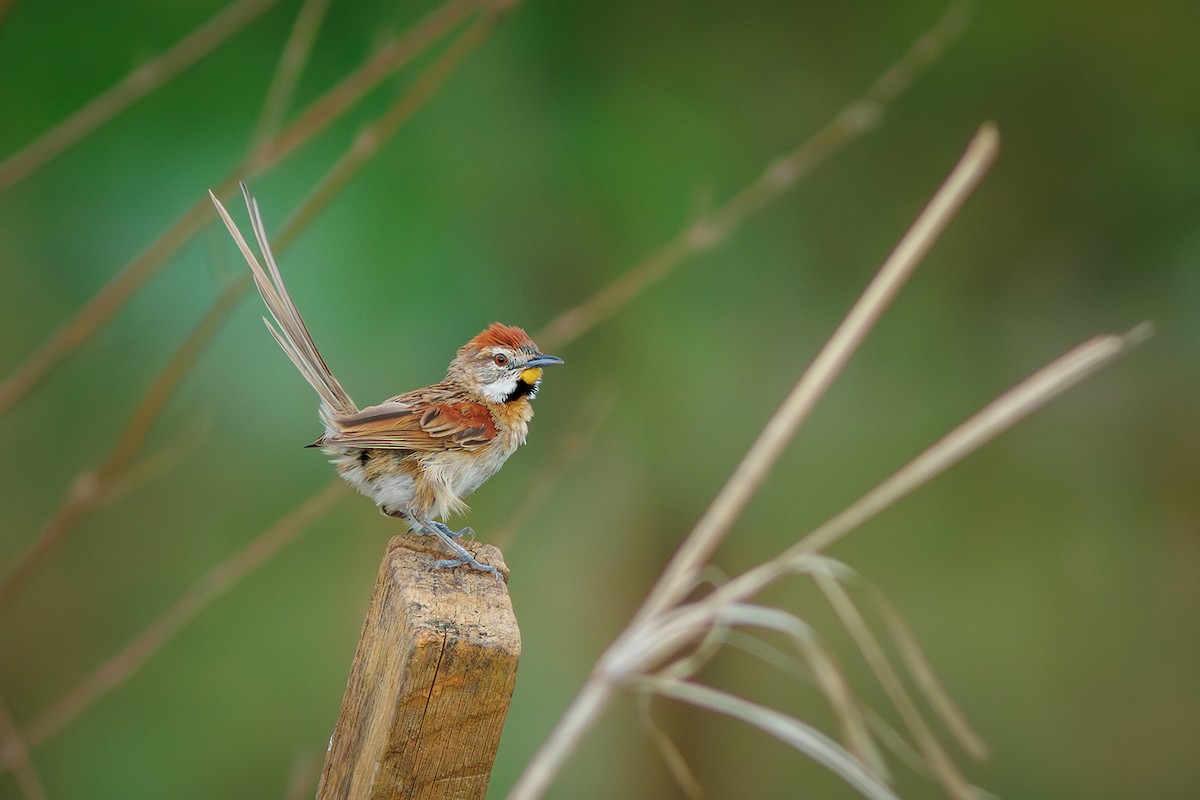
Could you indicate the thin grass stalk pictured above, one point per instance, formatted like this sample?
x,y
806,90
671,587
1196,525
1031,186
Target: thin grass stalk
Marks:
x,y
111,297
671,755
680,574
6,6
147,468
890,738
789,730
642,645
998,416
926,679
538,774
922,673
932,752
14,755
133,87
99,308
779,177
91,488
883,732
389,59
869,718
287,73
571,447
825,673
213,585
369,141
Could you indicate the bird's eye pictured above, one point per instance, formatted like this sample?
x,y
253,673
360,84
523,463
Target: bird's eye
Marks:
x,y
500,359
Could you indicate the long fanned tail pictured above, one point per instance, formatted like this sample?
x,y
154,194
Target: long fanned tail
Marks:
x,y
289,329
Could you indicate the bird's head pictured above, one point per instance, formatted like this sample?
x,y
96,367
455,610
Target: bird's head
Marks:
x,y
501,364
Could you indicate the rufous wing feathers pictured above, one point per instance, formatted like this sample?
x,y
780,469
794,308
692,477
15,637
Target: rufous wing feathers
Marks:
x,y
419,426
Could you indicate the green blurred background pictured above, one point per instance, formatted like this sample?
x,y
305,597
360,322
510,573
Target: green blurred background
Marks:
x,y
1052,578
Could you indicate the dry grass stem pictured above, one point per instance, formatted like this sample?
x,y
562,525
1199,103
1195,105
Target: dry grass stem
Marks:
x,y
825,673
771,655
580,715
93,487
203,593
181,446
927,744
998,416
389,59
680,575
890,738
130,89
111,297
877,725
571,447
368,142
671,755
287,72
99,308
643,644
14,755
791,731
926,679
1001,414
779,177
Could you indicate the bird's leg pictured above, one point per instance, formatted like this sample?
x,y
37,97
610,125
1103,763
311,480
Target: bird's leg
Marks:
x,y
467,532
447,537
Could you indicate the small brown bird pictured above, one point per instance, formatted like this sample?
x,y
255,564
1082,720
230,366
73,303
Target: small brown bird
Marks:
x,y
418,454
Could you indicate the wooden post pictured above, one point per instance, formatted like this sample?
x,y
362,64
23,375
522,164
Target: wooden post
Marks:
x,y
431,682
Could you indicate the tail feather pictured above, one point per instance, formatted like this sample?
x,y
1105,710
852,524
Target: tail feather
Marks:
x,y
289,328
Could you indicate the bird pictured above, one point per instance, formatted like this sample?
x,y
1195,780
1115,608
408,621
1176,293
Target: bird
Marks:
x,y
419,454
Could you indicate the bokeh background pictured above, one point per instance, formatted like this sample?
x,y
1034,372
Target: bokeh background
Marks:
x,y
1052,578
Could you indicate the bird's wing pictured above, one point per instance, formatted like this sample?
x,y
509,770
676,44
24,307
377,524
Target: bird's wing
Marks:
x,y
426,420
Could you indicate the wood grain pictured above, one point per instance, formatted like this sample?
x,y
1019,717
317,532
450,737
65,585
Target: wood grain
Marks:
x,y
431,681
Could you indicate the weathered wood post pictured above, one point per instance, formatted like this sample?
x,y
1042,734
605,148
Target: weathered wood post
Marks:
x,y
430,685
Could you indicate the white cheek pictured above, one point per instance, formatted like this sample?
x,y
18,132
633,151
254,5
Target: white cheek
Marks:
x,y
498,391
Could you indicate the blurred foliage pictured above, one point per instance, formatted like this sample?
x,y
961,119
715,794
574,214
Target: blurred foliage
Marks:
x,y
1051,578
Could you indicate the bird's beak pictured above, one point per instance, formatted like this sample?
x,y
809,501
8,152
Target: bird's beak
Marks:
x,y
533,368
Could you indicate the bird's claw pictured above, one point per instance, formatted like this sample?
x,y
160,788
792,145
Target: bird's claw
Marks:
x,y
449,539
446,563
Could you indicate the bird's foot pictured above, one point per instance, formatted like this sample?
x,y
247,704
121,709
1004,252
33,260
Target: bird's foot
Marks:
x,y
467,532
462,555
471,561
